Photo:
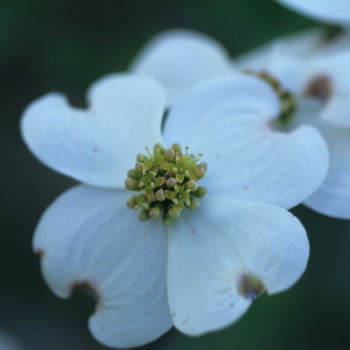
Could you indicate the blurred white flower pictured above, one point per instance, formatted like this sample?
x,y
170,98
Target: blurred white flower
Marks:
x,y
335,11
325,75
320,80
202,271
8,341
316,73
179,59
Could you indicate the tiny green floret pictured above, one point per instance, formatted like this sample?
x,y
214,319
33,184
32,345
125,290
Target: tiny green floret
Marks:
x,y
287,99
167,182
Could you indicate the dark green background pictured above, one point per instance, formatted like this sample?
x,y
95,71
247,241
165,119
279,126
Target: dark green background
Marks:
x,y
66,45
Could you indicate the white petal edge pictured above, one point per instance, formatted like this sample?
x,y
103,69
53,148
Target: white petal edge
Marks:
x,y
96,146
229,120
89,237
332,198
180,59
303,44
335,67
296,73
335,11
277,59
210,250
8,341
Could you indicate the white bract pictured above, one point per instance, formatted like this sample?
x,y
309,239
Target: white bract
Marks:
x,y
320,81
202,271
333,11
173,58
333,196
180,59
306,44
324,75
305,65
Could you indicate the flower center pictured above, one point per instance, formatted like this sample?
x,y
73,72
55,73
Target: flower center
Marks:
x,y
288,103
167,182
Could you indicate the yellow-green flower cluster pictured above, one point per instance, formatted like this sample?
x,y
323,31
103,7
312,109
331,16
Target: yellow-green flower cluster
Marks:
x,y
167,181
287,99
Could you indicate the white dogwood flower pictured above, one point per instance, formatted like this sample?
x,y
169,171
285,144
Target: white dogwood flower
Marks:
x,y
324,76
180,59
333,196
196,263
335,11
321,83
306,65
303,64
